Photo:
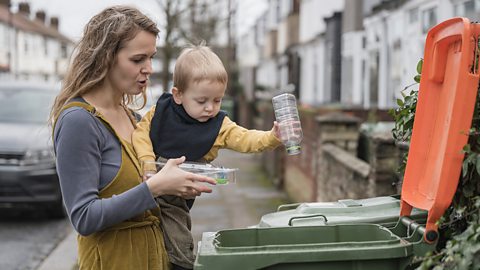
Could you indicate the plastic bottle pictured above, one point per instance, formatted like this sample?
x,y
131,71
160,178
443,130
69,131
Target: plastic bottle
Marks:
x,y
286,114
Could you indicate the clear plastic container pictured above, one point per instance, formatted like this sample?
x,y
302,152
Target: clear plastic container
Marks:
x,y
222,175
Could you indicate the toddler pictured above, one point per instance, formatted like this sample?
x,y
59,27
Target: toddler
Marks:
x,y
188,122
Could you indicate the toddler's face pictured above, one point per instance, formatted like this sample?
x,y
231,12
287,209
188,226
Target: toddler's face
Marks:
x,y
201,100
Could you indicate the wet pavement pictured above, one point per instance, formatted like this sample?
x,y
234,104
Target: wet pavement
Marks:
x,y
28,237
237,205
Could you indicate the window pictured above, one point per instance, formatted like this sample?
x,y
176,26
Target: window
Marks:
x,y
467,9
45,46
429,19
25,45
469,6
64,50
470,9
374,63
413,15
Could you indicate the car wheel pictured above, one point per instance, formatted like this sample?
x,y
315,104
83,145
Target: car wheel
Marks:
x,y
57,210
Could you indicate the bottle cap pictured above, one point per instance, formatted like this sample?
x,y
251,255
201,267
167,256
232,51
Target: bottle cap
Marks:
x,y
293,149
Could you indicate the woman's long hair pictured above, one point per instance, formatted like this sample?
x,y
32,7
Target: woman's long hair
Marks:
x,y
104,35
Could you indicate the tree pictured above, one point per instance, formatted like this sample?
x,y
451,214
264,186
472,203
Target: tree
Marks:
x,y
171,9
185,24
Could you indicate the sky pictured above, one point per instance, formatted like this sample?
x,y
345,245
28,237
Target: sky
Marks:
x,y
73,15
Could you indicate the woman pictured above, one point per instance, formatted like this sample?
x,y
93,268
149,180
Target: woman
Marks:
x,y
108,204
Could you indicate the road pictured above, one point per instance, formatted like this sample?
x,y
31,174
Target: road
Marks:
x,y
27,237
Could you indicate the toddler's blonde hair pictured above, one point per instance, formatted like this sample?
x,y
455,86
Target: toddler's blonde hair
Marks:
x,y
198,63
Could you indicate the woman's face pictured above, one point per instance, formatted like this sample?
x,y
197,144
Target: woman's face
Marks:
x,y
133,65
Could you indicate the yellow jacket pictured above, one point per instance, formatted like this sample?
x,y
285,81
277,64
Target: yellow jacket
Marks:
x,y
231,136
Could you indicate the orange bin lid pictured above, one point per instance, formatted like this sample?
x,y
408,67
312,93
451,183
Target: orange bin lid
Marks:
x,y
446,100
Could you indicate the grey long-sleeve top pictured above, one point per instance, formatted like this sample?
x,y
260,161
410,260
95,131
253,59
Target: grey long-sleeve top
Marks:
x,y
88,158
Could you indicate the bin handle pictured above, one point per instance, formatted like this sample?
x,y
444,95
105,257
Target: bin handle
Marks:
x,y
439,52
430,236
284,207
215,241
311,216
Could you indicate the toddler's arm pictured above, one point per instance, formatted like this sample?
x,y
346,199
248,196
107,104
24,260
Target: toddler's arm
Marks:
x,y
141,137
238,138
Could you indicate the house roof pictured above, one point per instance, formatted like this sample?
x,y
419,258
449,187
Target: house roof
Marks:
x,y
23,23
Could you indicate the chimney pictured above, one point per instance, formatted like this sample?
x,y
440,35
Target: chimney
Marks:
x,y
54,23
5,3
40,16
24,9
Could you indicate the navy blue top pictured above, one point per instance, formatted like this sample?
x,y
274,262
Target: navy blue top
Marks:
x,y
174,133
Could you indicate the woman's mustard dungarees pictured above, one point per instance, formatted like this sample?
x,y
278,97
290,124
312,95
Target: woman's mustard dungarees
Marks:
x,y
136,243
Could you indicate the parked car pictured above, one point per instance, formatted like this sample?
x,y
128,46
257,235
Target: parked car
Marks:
x,y
28,178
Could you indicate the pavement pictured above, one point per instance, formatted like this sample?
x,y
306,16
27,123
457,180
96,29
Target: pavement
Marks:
x,y
235,205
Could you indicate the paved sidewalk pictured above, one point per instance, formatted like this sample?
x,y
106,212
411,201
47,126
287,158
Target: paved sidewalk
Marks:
x,y
64,256
236,205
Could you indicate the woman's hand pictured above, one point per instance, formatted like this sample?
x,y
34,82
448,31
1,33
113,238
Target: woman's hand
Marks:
x,y
171,180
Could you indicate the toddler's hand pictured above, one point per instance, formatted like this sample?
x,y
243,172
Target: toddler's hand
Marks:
x,y
276,130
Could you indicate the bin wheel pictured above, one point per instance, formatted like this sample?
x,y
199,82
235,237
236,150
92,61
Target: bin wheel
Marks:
x,y
431,236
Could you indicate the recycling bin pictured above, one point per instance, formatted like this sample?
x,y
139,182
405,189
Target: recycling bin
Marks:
x,y
383,210
346,246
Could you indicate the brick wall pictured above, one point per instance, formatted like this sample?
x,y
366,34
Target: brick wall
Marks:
x,y
328,168
384,159
342,175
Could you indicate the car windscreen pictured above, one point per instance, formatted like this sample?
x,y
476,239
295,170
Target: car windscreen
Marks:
x,y
25,105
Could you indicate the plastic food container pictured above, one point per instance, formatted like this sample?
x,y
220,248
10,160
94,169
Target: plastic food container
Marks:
x,y
222,175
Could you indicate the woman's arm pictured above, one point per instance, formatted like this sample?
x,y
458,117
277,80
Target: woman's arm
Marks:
x,y
79,139
141,137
